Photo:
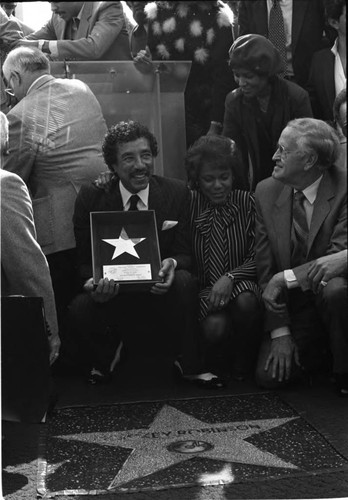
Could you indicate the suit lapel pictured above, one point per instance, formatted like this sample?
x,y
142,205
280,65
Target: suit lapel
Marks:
x,y
282,225
84,25
298,15
321,207
328,75
114,199
59,27
157,202
261,15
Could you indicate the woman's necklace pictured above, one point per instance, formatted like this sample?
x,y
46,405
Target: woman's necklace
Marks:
x,y
263,103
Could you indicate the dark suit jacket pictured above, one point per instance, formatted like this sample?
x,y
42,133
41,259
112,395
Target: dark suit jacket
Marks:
x,y
101,35
307,29
170,199
327,234
321,84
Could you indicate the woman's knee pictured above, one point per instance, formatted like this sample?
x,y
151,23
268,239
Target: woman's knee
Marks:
x,y
215,327
247,304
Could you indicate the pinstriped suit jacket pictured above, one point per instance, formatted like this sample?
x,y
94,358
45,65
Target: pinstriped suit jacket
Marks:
x,y
170,200
55,135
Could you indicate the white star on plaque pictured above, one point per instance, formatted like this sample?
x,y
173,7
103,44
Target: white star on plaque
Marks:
x,y
124,244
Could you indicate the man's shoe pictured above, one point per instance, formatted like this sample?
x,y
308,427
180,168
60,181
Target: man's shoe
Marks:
x,y
341,380
207,380
96,377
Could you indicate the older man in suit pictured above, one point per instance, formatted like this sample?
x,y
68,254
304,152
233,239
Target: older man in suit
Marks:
x,y
24,269
55,138
105,314
302,32
84,31
302,216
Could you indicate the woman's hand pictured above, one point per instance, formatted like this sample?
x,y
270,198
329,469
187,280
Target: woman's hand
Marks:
x,y
220,294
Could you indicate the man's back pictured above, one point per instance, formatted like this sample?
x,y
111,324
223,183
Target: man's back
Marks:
x,y
101,34
55,145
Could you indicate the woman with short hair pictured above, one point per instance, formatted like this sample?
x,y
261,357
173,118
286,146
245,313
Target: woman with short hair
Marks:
x,y
257,111
222,222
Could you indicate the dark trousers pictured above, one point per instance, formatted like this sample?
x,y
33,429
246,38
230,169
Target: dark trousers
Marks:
x,y
146,323
64,276
316,321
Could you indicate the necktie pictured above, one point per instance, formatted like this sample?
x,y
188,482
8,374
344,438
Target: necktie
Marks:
x,y
133,202
276,32
299,232
75,22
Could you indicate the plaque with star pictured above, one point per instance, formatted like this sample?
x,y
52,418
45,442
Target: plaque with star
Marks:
x,y
125,248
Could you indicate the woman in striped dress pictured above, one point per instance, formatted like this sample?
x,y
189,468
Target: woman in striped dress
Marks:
x,y
223,237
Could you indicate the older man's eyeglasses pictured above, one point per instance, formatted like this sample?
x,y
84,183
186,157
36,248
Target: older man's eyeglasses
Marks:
x,y
284,152
8,90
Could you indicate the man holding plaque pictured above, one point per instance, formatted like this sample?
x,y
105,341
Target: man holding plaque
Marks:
x,y
105,314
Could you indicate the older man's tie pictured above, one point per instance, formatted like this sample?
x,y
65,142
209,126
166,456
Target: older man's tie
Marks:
x,y
134,202
276,32
299,232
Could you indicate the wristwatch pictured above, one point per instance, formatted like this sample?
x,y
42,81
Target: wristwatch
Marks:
x,y
46,47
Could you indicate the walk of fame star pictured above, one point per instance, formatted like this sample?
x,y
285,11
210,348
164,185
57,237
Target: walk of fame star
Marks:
x,y
124,244
175,437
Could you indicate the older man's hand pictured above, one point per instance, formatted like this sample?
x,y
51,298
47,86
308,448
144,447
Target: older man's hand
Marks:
x,y
327,267
279,362
27,43
273,294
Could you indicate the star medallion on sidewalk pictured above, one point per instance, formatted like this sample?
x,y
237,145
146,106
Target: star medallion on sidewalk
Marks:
x,y
175,436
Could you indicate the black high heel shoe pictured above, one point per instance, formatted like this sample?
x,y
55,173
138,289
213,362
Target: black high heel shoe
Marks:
x,y
207,380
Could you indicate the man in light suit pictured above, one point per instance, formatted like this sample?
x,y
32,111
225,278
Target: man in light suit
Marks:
x,y
84,31
290,237
304,24
105,314
55,138
24,268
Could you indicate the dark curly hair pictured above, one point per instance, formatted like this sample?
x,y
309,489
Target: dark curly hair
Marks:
x,y
334,9
121,133
214,150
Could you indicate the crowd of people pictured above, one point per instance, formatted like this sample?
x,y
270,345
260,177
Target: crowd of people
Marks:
x,y
253,277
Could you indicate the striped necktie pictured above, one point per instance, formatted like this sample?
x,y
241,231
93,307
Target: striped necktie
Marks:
x,y
133,202
276,32
299,232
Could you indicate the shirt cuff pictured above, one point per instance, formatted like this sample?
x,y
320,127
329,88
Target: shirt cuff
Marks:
x,y
53,46
290,278
175,263
282,331
40,44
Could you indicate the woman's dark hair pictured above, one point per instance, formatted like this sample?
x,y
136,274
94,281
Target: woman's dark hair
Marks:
x,y
214,150
121,133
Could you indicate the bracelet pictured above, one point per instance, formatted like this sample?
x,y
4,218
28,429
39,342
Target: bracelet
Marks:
x,y
217,124
230,276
